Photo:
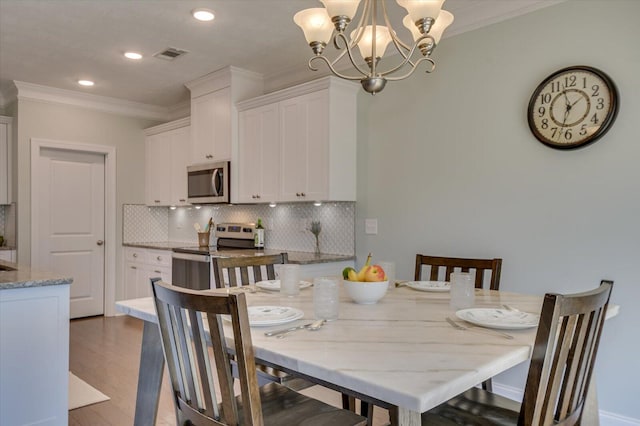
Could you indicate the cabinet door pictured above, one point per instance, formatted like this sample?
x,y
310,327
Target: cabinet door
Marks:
x,y
4,164
132,272
180,157
259,155
304,130
158,169
211,127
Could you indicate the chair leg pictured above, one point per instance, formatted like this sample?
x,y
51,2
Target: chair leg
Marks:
x,y
487,385
366,410
348,402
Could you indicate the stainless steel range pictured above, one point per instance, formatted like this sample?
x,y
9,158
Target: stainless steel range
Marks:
x,y
191,265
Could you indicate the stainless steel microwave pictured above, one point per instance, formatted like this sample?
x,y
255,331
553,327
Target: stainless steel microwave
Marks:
x,y
208,183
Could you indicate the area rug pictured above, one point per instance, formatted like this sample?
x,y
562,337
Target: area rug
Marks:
x,y
82,394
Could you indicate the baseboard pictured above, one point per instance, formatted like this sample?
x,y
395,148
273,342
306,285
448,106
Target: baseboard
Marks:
x,y
606,418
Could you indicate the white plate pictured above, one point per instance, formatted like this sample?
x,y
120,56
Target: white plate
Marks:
x,y
262,316
499,318
436,286
274,285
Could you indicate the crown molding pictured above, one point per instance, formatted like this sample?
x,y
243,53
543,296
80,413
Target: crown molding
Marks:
x,y
183,109
84,100
165,127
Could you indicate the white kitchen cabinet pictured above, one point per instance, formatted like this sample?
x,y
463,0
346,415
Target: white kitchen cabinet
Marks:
x,y
34,355
259,155
8,255
317,142
214,119
211,118
167,150
5,159
140,266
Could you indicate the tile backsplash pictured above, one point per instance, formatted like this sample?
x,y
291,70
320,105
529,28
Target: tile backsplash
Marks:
x,y
8,224
2,220
286,225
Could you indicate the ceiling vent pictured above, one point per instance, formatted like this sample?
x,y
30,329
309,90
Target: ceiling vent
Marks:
x,y
170,53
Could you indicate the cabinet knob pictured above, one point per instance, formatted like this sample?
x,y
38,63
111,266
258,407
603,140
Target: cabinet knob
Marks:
x,y
182,200
157,272
135,254
99,242
159,258
302,194
156,201
253,196
297,194
257,196
133,267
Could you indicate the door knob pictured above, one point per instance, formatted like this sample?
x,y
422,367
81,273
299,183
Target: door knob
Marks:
x,y
100,242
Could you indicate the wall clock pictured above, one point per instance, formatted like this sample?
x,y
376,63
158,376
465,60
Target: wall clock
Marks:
x,y
573,107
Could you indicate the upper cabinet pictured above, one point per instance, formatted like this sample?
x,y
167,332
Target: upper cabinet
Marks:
x,y
167,149
214,118
302,139
5,159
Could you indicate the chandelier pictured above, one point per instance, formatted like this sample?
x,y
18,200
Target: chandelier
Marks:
x,y
425,20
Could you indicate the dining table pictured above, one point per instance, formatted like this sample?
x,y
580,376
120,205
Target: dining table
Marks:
x,y
401,353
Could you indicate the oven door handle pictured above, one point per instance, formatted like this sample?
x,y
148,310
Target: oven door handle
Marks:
x,y
214,182
192,257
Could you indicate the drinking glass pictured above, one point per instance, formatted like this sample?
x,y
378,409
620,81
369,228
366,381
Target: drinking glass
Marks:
x,y
390,270
290,279
325,298
462,291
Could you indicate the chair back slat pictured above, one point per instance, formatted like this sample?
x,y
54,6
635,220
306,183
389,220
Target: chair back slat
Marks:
x,y
563,357
476,267
239,271
204,393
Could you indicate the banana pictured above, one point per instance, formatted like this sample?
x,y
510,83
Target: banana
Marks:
x,y
352,275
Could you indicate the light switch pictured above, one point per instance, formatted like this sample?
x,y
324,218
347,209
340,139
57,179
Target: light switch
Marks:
x,y
371,226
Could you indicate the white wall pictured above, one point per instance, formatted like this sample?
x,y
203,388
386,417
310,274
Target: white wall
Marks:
x,y
73,124
448,166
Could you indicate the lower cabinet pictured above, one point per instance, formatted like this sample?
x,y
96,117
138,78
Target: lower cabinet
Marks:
x,y
8,255
140,266
34,355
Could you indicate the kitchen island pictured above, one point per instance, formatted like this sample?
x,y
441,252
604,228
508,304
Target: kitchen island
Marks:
x,y
34,346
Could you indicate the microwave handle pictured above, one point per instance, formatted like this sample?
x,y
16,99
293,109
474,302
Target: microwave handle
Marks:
x,y
214,182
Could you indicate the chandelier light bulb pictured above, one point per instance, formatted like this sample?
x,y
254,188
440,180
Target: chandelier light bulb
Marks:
x,y
365,45
316,26
421,9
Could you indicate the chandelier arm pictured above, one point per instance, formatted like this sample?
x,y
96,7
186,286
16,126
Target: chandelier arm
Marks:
x,y
396,40
332,69
407,60
433,67
347,50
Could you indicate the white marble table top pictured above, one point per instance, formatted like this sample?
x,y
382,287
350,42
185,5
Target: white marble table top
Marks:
x,y
400,350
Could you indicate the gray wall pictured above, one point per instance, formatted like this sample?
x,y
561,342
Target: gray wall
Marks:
x,y
448,166
73,124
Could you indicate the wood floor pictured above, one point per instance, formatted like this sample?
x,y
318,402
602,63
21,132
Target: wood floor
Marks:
x,y
105,352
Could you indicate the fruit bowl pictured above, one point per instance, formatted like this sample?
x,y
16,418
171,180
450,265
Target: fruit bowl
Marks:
x,y
366,293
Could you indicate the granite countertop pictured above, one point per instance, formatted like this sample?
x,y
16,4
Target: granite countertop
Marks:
x,y
299,257
13,275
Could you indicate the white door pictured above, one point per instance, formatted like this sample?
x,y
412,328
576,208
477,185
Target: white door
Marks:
x,y
71,206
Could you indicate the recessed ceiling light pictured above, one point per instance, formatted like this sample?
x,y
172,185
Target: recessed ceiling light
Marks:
x,y
85,83
202,14
133,55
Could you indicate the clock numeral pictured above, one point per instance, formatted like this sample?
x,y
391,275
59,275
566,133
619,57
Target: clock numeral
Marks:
x,y
570,81
583,130
545,98
600,103
545,123
584,82
554,130
555,87
541,111
596,91
594,119
568,135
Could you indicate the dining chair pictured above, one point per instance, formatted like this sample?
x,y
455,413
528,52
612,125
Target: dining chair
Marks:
x,y
559,374
239,271
202,383
447,265
450,264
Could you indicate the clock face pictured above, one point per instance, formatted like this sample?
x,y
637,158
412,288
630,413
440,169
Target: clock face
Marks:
x,y
573,107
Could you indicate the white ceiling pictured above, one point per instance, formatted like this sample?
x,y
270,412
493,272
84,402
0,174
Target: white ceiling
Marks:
x,y
56,42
